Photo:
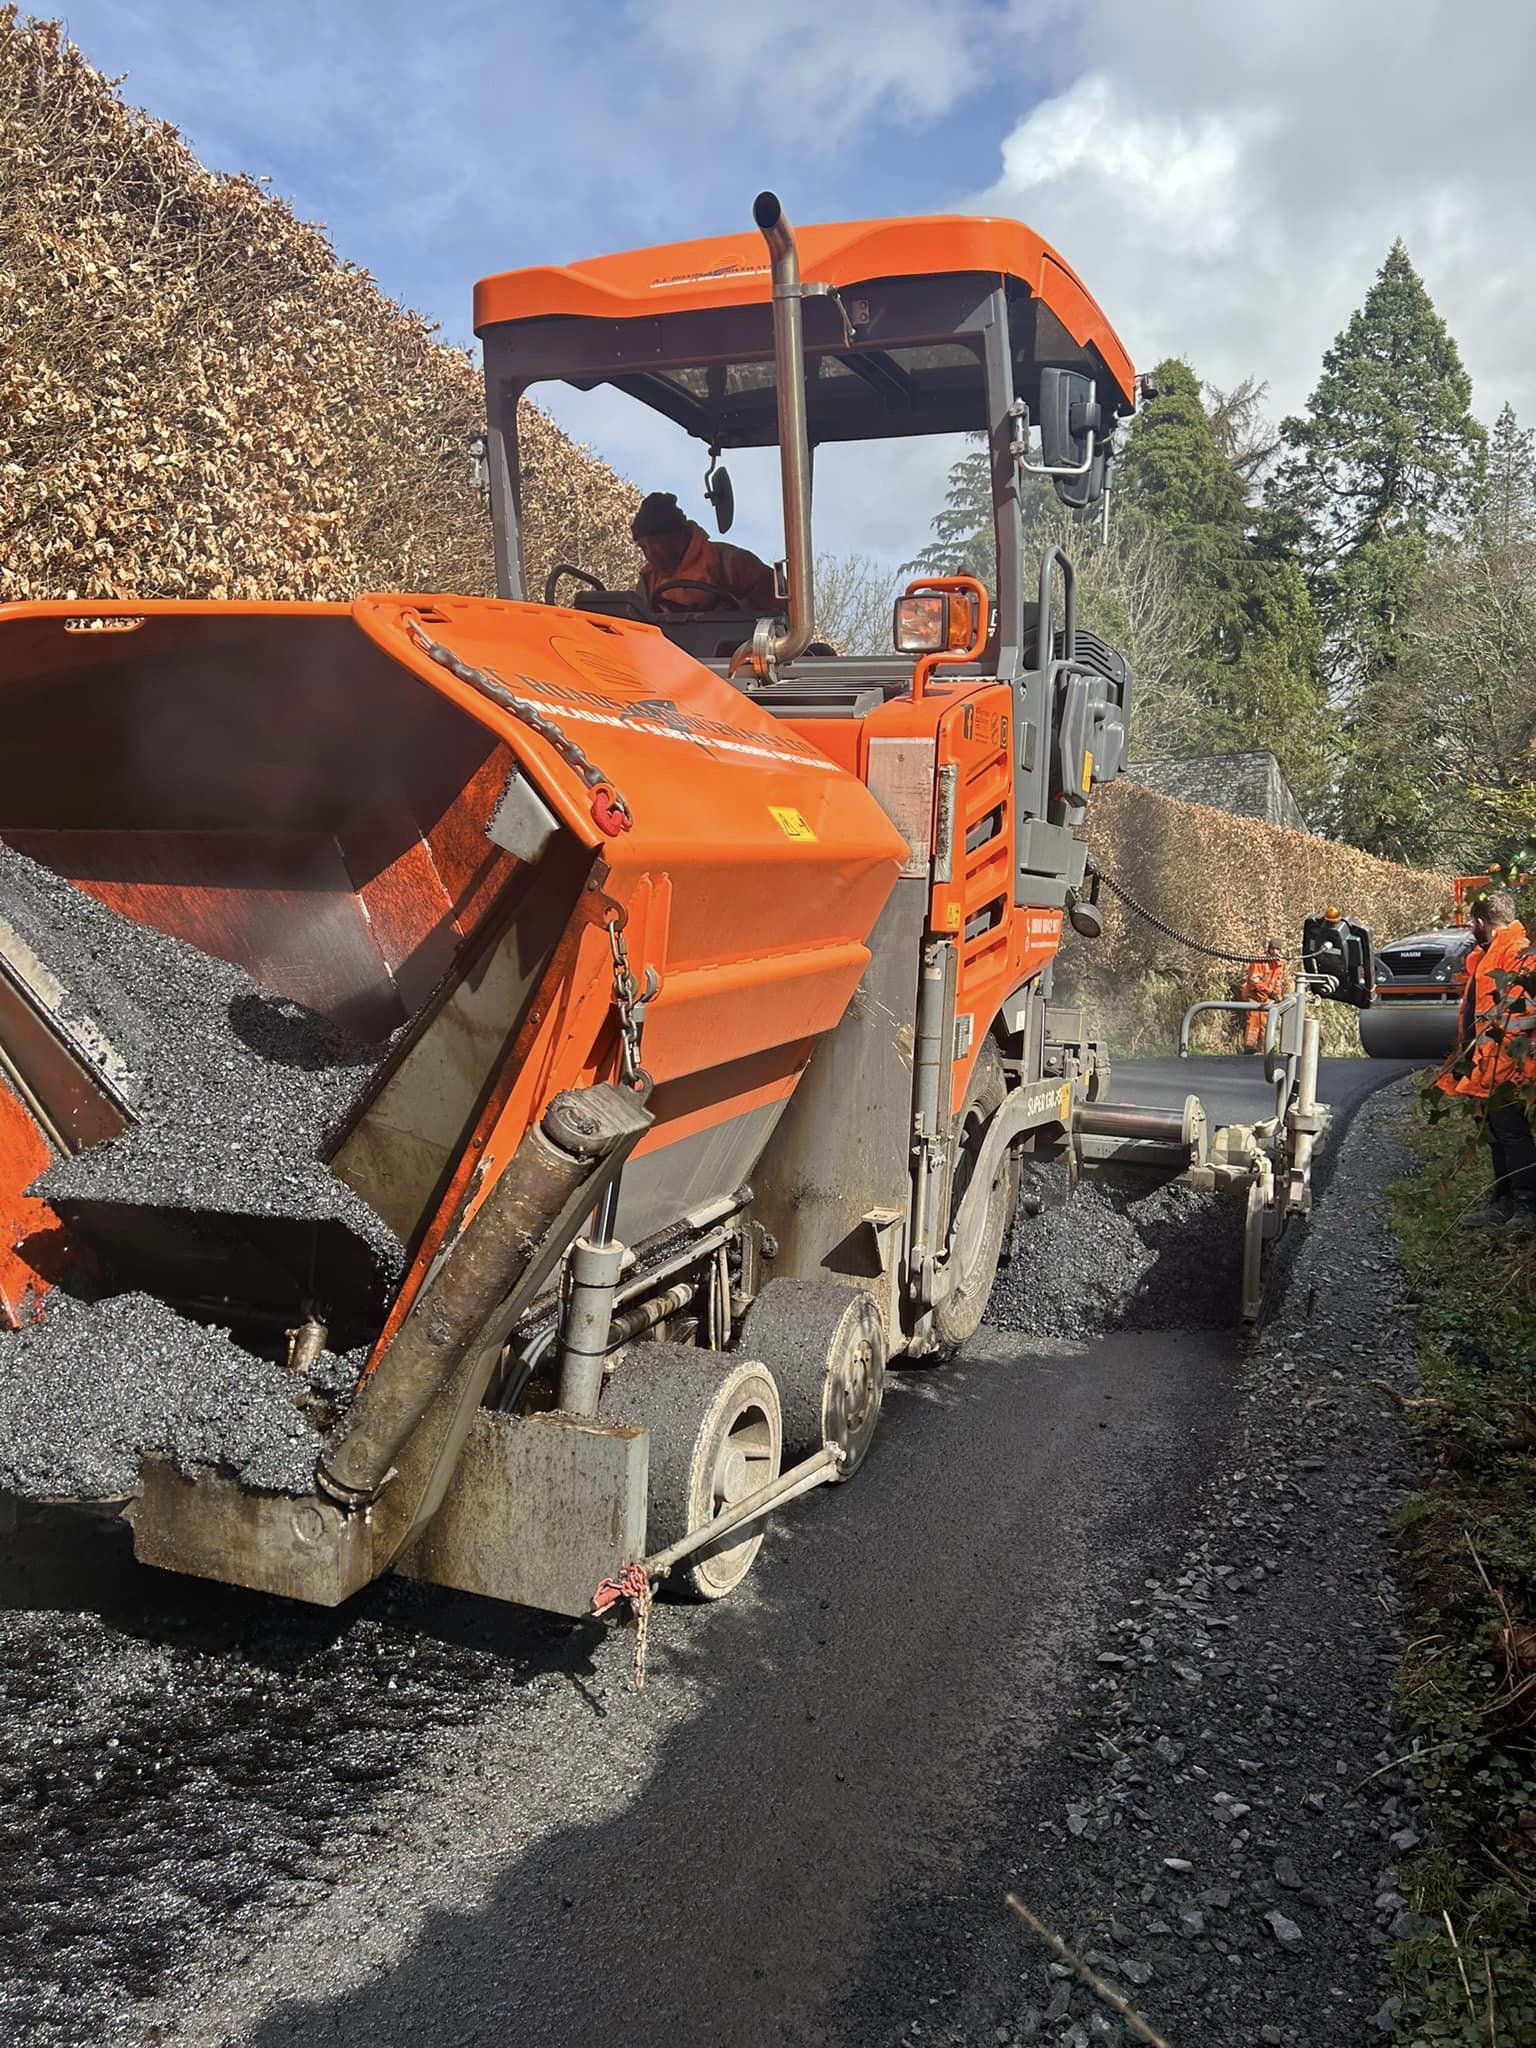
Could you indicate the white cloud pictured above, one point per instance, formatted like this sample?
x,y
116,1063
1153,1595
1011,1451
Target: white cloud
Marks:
x,y
1176,174
821,70
1228,179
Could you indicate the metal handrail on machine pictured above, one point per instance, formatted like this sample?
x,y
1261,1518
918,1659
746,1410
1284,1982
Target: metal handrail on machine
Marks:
x,y
1272,1011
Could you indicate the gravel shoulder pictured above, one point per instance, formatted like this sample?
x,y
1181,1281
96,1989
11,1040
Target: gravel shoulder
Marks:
x,y
1218,1829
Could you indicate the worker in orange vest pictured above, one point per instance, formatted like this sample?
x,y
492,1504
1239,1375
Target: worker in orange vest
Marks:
x,y
1263,982
1497,1056
710,575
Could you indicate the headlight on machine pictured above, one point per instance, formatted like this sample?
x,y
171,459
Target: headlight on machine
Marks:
x,y
932,622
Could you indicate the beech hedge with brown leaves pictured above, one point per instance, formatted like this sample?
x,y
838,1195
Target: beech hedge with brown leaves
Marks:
x,y
1233,883
197,399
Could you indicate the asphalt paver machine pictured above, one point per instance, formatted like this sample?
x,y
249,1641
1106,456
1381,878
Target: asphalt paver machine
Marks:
x,y
705,971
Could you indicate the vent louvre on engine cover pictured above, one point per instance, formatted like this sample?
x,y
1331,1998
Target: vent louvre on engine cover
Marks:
x,y
1092,651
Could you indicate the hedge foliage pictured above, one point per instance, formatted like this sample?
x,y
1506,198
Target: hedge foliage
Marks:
x,y
1232,882
1466,1689
197,399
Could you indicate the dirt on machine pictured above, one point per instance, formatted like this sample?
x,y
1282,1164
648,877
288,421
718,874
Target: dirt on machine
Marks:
x,y
487,1086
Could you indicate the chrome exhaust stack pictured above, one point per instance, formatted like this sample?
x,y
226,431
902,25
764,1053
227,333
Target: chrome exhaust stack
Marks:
x,y
769,649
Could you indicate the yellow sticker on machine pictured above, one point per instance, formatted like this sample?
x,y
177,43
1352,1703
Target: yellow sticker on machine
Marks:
x,y
1087,770
1066,1101
790,822
952,917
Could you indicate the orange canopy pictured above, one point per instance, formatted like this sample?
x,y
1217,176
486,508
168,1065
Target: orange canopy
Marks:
x,y
732,270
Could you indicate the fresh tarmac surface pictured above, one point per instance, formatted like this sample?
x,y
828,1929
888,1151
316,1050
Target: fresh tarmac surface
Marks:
x,y
1233,1088
226,1820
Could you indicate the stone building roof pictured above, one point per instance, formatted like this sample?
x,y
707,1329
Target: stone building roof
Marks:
x,y
1249,784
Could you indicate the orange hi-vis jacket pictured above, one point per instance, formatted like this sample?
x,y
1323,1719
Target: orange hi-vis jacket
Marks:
x,y
1264,981
1504,1032
733,573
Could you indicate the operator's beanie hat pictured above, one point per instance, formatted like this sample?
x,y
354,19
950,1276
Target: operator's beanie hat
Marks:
x,y
659,513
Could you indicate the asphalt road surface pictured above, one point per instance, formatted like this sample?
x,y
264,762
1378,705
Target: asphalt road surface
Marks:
x,y
1233,1088
223,1820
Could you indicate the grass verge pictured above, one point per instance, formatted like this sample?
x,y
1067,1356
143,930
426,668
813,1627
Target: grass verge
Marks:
x,y
1467,1691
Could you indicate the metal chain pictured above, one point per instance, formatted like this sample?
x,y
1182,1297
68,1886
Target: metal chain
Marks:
x,y
629,1003
1179,938
630,1584
610,811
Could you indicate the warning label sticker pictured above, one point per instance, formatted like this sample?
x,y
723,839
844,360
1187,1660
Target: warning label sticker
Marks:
x,y
790,822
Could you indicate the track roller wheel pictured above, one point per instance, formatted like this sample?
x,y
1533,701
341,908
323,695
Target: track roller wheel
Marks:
x,y
825,1345
1409,1031
717,1435
974,1263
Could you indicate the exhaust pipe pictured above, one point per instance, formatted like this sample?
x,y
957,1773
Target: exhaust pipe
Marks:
x,y
768,650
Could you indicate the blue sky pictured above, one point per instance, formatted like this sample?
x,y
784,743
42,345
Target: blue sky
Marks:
x,y
441,142
1226,177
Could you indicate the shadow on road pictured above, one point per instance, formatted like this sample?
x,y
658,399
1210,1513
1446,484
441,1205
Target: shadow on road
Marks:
x,y
904,1647
181,1756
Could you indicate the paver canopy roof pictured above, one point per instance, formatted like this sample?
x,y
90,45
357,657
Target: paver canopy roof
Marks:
x,y
732,270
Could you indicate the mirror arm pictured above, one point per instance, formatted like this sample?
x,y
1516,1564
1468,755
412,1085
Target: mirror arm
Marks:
x,y
1020,446
1060,469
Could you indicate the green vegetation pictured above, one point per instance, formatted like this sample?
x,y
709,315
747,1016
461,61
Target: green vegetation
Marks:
x,y
1222,640
1253,674
1386,453
1467,1690
1356,592
1415,537
963,543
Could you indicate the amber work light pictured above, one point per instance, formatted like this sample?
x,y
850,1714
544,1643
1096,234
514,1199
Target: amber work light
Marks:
x,y
934,621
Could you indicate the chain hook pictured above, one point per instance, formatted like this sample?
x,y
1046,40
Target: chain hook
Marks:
x,y
628,1002
610,812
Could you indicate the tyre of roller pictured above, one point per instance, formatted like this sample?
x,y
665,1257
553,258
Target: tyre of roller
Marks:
x,y
826,1347
716,1435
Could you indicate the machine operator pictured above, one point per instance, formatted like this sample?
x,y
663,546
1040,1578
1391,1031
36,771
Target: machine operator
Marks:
x,y
706,575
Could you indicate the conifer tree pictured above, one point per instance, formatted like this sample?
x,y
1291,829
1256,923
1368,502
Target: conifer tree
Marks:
x,y
963,542
1509,498
1386,453
1386,457
1257,668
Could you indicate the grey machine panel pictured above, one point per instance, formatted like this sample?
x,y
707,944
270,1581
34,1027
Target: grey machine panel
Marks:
x,y
407,1136
690,1173
834,1185
541,1508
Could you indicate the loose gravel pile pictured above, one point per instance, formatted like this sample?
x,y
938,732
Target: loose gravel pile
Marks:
x,y
1218,1833
235,1089
84,1392
1128,1254
235,1092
